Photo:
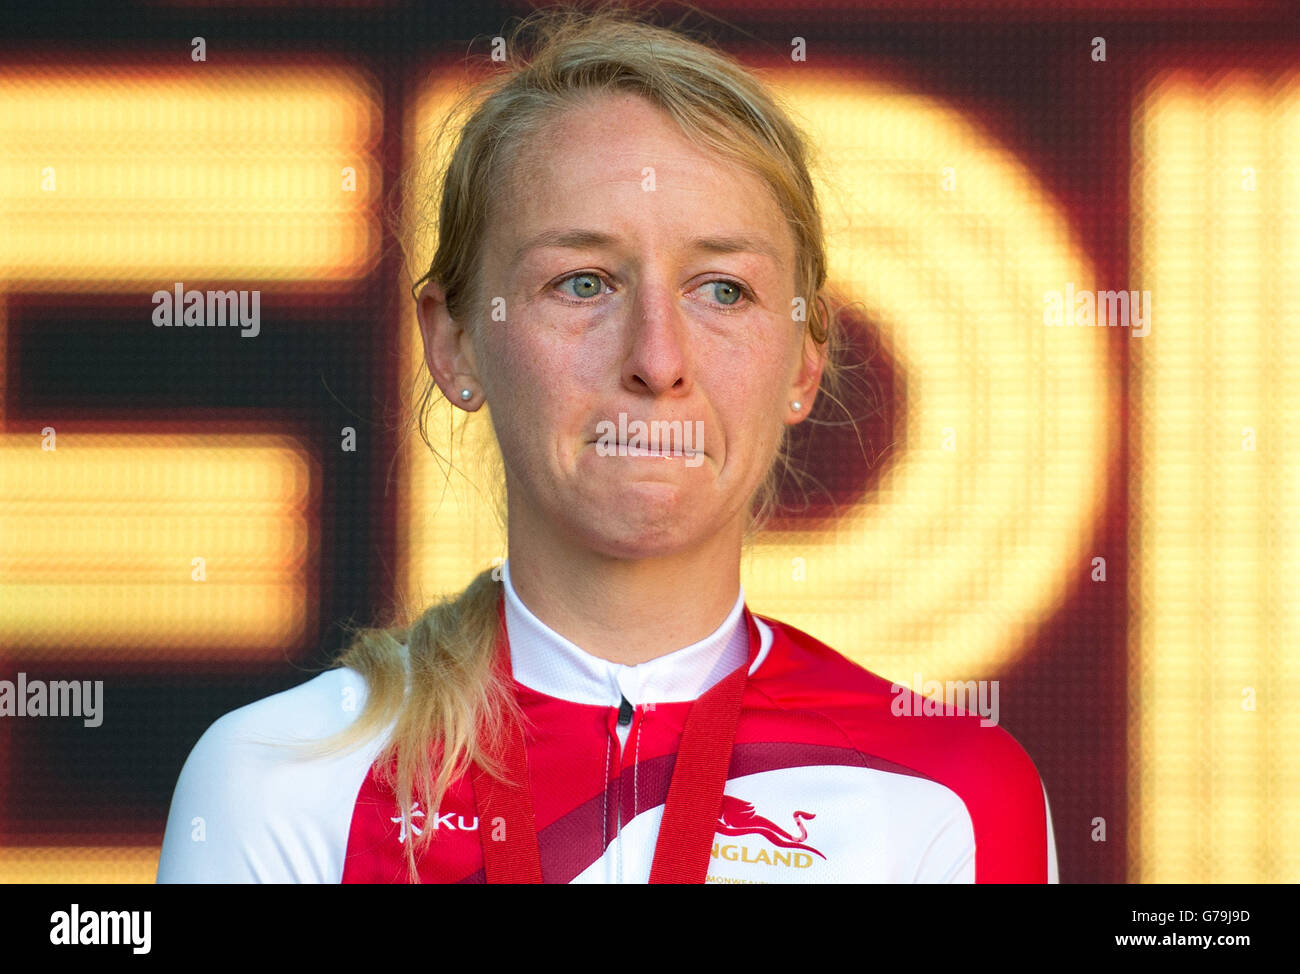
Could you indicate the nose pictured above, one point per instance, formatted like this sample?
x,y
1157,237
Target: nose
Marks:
x,y
659,355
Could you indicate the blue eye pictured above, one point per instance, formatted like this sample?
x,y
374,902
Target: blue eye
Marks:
x,y
726,293
733,290
589,285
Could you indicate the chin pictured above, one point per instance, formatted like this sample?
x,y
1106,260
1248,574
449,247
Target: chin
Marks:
x,y
647,537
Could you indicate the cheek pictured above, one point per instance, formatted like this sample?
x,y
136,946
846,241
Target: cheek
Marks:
x,y
756,384
521,363
757,402
542,385
542,380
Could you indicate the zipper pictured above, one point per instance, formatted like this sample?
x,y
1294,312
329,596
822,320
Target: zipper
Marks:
x,y
625,713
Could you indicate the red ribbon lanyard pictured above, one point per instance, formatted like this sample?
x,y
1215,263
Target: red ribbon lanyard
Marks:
x,y
508,830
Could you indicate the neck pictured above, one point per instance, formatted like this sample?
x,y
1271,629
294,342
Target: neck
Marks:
x,y
624,610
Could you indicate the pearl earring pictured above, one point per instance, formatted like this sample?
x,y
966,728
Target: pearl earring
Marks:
x,y
466,395
796,406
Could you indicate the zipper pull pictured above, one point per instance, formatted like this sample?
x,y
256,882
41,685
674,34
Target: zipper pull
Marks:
x,y
624,713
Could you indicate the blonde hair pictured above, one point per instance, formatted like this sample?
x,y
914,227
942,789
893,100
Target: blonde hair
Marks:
x,y
447,711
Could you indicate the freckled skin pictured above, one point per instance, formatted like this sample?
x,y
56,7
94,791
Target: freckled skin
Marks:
x,y
646,325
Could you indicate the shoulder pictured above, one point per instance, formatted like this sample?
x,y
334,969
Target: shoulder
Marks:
x,y
951,735
955,721
264,732
252,805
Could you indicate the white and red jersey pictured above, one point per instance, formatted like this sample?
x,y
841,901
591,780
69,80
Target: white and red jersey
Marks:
x,y
826,783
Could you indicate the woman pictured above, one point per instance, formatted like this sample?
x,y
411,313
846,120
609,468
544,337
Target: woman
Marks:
x,y
628,235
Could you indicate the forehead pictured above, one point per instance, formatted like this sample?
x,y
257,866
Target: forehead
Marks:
x,y
616,157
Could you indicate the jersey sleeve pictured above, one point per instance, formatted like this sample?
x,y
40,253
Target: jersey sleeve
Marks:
x,y
1008,804
996,826
1053,873
250,808
950,856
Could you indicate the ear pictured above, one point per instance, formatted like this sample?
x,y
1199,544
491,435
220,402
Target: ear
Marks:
x,y
448,349
807,380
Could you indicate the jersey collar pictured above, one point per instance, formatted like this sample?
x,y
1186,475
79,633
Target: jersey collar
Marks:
x,y
545,661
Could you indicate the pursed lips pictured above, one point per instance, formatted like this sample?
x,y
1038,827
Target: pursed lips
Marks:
x,y
675,450
624,446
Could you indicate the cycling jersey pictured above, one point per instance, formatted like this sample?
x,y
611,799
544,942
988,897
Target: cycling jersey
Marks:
x,y
827,782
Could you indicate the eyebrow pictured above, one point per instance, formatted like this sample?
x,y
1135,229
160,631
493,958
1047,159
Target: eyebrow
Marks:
x,y
578,237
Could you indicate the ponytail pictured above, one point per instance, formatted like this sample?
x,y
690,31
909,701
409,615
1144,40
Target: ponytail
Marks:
x,y
451,715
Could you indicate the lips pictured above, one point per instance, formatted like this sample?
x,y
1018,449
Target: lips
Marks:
x,y
623,446
665,438
649,451
626,443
